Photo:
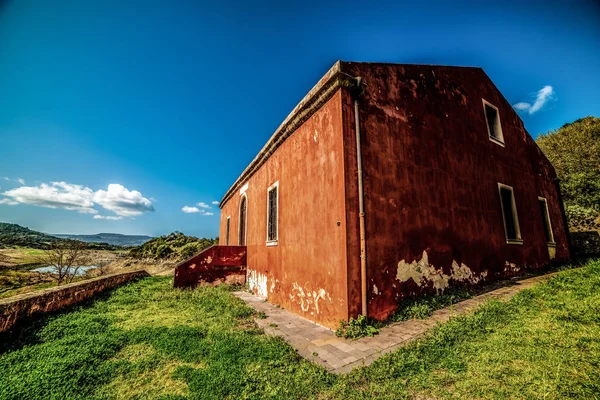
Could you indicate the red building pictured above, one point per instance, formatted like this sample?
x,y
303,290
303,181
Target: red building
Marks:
x,y
440,179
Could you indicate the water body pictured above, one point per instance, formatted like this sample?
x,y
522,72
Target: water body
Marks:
x,y
82,269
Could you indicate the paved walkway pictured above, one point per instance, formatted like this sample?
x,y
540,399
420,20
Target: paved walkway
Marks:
x,y
319,344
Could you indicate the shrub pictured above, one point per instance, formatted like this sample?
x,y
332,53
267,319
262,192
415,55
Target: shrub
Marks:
x,y
359,327
189,250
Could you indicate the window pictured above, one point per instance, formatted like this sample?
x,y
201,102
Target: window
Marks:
x,y
509,213
492,119
227,231
272,205
243,223
546,220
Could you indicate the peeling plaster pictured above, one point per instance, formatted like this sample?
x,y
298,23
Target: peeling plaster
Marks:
x,y
421,272
511,267
401,115
273,283
257,283
308,299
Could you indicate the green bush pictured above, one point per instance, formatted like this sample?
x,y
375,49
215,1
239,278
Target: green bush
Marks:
x,y
357,328
189,250
574,151
175,246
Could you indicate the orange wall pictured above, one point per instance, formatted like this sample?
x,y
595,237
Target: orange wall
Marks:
x,y
306,272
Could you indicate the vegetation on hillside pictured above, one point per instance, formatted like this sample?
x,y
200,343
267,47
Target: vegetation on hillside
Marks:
x,y
13,235
574,150
16,235
148,340
175,246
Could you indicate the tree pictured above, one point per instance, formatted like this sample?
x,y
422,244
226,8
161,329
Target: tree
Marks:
x,y
66,257
574,150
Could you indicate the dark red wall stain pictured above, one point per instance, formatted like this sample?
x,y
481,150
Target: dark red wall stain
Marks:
x,y
217,264
431,179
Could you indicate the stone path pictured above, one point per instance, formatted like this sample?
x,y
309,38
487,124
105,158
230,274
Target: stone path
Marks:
x,y
319,344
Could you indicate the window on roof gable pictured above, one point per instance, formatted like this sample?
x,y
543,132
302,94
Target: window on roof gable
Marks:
x,y
492,119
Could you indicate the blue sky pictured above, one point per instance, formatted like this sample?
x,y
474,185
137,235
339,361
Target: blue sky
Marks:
x,y
137,109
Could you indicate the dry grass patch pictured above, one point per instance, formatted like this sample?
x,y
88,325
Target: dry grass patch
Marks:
x,y
147,374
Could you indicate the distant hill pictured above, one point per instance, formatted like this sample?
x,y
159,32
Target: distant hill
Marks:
x,y
115,239
174,246
12,235
17,235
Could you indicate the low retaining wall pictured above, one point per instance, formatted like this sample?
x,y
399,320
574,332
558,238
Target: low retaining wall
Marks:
x,y
17,308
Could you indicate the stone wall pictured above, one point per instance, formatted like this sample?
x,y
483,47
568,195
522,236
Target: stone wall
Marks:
x,y
17,308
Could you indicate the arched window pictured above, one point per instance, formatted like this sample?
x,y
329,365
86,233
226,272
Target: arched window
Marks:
x,y
243,221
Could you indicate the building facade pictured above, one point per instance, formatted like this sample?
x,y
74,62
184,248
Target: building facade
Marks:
x,y
456,192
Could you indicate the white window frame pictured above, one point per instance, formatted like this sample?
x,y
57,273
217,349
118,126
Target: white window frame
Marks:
x,y
519,239
500,140
551,242
228,228
274,242
243,195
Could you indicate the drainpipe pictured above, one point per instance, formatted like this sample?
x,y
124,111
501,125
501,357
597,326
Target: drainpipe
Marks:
x,y
361,205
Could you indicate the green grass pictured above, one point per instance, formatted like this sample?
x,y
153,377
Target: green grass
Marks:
x,y
423,306
147,340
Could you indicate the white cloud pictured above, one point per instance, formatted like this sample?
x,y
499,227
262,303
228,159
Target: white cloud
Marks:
x,y
55,195
216,203
522,106
203,205
541,99
19,180
109,217
116,198
192,210
9,202
122,201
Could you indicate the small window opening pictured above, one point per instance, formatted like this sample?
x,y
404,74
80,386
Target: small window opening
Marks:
x,y
242,230
227,229
492,119
272,203
546,219
509,213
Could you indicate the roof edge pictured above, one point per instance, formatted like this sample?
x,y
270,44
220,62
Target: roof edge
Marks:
x,y
314,99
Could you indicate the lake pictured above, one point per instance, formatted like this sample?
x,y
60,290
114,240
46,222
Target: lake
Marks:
x,y
82,269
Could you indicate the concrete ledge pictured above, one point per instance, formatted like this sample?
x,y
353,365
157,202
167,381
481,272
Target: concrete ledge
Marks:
x,y
17,308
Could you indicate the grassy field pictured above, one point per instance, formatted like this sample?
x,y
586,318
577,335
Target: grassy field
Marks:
x,y
147,340
16,264
22,256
